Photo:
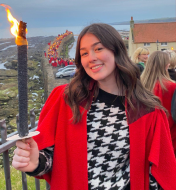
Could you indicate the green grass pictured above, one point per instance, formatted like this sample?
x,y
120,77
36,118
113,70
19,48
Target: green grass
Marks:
x,y
16,180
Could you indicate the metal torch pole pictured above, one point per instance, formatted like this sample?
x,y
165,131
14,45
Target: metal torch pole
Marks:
x,y
22,127
22,83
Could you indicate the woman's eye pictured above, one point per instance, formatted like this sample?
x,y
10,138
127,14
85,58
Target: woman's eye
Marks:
x,y
98,49
83,54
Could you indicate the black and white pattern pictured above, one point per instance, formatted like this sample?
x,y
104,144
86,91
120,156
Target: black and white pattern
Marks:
x,y
49,159
108,145
45,162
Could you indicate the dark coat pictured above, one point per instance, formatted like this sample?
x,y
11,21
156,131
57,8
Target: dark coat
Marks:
x,y
172,74
141,68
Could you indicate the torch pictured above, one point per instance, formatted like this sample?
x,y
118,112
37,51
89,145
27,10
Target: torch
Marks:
x,y
19,31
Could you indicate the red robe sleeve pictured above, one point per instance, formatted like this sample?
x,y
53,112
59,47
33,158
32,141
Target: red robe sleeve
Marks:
x,y
166,98
162,154
48,119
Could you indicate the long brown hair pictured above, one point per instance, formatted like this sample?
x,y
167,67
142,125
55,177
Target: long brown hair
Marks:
x,y
156,70
127,73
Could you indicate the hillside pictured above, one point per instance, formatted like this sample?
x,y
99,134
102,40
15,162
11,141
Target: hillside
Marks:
x,y
172,19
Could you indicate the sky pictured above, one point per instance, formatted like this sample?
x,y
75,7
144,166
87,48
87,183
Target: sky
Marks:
x,y
57,13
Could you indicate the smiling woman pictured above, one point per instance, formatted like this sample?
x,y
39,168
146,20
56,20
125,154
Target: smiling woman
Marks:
x,y
98,61
93,129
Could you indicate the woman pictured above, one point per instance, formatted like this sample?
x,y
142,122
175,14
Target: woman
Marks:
x,y
101,130
156,79
140,57
172,66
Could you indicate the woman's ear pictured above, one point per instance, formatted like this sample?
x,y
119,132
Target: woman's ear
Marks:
x,y
167,66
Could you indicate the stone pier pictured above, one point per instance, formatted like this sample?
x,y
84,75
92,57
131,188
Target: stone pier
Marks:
x,y
50,82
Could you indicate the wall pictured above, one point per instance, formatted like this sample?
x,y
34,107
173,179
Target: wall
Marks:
x,y
152,47
66,39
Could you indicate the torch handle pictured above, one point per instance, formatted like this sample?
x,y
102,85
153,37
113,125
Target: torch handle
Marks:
x,y
22,91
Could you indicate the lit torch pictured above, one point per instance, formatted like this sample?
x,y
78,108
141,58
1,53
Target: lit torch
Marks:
x,y
19,31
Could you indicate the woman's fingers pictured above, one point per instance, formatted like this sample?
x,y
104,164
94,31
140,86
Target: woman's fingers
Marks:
x,y
21,152
26,155
18,165
27,144
21,159
22,145
32,144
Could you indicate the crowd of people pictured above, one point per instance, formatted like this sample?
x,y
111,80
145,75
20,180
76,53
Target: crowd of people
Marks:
x,y
56,61
113,127
53,57
156,79
141,54
158,75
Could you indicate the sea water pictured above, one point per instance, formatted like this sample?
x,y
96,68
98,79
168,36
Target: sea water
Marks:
x,y
54,31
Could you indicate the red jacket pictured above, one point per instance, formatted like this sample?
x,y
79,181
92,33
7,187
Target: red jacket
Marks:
x,y
150,141
166,98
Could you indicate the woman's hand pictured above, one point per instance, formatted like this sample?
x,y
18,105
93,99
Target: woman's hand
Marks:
x,y
26,155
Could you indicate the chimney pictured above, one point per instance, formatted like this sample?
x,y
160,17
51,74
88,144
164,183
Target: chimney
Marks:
x,y
131,23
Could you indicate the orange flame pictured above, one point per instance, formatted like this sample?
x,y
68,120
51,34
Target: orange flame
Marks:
x,y
14,22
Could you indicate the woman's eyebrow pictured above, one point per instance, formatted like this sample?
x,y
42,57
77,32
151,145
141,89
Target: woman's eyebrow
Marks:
x,y
91,45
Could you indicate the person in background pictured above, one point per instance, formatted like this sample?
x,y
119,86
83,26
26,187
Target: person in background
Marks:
x,y
140,57
70,62
103,130
73,60
156,79
59,61
45,53
172,62
65,62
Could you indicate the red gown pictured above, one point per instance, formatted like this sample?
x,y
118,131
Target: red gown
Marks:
x,y
150,141
166,98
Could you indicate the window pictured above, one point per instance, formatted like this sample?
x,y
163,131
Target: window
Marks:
x,y
164,43
146,44
66,70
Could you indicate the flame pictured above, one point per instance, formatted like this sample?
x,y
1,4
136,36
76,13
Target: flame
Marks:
x,y
15,27
14,22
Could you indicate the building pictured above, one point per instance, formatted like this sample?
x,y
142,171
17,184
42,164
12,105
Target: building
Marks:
x,y
154,36
125,37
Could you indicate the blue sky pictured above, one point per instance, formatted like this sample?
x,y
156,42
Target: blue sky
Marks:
x,y
54,13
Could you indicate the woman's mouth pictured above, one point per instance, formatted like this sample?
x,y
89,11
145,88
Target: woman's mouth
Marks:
x,y
96,67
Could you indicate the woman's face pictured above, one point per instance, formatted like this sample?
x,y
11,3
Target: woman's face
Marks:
x,y
143,58
98,61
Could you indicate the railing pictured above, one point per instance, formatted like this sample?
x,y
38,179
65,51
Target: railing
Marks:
x,y
6,145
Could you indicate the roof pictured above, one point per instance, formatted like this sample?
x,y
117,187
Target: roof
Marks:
x,y
151,32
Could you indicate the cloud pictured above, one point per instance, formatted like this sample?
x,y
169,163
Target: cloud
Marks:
x,y
46,13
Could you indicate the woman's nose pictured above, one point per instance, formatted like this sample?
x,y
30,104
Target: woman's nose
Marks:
x,y
92,57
